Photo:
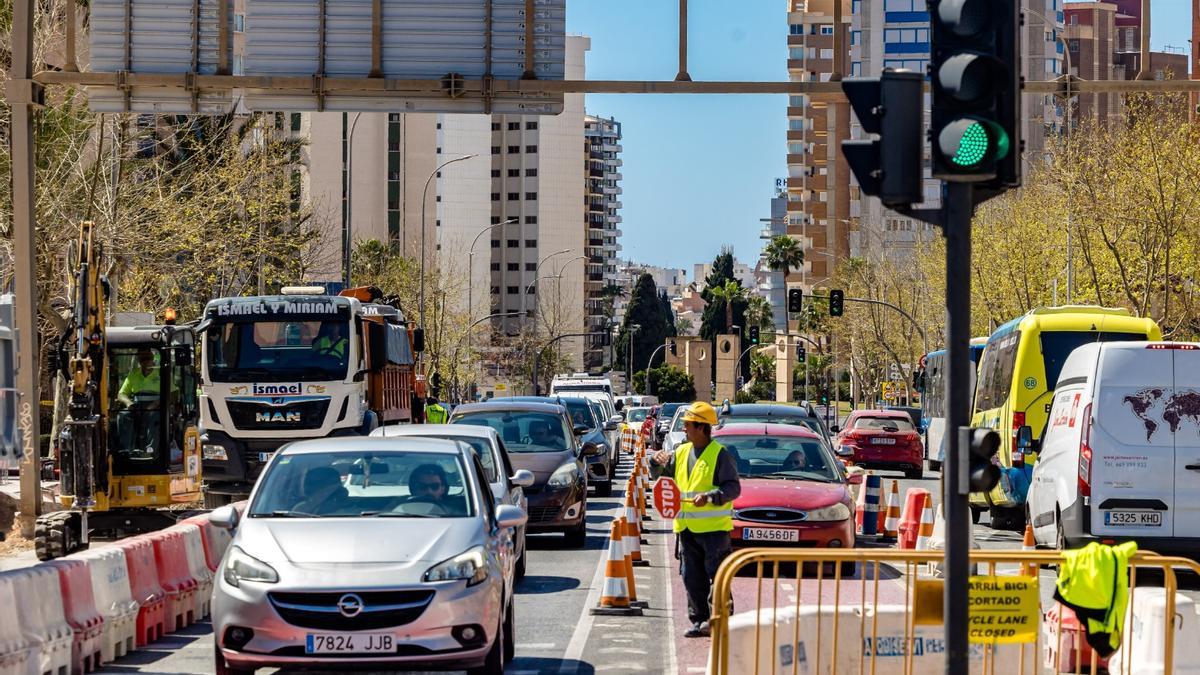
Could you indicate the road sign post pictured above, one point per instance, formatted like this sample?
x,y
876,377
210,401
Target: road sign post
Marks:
x,y
666,497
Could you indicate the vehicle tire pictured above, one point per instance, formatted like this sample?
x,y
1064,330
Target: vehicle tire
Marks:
x,y
519,571
1060,534
604,489
494,661
222,666
1006,518
577,536
510,643
914,474
976,512
935,465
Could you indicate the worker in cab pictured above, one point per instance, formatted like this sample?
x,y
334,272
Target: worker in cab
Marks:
x,y
435,413
706,474
331,340
142,385
140,395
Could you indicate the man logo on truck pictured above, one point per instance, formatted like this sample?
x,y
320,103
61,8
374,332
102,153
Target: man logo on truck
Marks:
x,y
286,417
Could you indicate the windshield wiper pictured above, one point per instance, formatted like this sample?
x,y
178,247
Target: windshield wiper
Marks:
x,y
284,514
395,514
801,475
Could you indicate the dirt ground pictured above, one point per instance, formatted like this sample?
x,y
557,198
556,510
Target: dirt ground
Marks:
x,y
13,541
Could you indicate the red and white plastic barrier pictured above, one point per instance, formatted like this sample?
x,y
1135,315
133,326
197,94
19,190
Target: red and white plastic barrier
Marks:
x,y
39,601
170,556
146,589
110,585
18,655
79,607
197,568
215,539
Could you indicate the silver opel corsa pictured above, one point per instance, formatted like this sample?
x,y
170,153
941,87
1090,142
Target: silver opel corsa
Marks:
x,y
389,552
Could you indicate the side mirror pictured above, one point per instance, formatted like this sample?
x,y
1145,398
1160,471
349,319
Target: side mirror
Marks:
x,y
616,419
1025,438
845,451
835,428
611,426
579,430
508,516
593,450
855,479
522,478
224,517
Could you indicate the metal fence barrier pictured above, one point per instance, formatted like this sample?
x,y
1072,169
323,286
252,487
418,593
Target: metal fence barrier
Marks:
x,y
842,624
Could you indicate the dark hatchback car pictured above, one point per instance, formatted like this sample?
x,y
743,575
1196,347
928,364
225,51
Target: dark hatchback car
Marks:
x,y
776,413
600,467
665,412
540,437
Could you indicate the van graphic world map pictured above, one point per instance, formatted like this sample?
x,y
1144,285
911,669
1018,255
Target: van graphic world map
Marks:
x,y
1175,409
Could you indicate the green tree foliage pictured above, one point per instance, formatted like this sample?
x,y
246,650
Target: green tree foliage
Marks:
x,y
669,383
784,254
759,313
717,315
655,323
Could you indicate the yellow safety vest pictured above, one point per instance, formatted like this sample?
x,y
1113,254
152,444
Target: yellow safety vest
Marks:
x,y
1094,582
435,414
700,519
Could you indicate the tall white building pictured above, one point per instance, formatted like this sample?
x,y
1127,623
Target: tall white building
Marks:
x,y
602,175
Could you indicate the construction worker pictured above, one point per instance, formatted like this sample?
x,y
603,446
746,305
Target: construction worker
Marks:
x,y
434,412
331,341
706,474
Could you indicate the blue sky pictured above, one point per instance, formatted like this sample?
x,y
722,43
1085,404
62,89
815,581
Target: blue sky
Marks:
x,y
699,171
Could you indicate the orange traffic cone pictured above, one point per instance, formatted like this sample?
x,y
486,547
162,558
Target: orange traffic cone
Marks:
x,y
891,521
614,598
926,529
627,551
633,534
1029,544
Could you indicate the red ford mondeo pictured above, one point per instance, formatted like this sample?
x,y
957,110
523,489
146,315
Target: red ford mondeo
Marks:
x,y
794,491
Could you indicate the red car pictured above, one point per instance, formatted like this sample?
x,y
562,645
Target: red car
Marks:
x,y
881,439
794,491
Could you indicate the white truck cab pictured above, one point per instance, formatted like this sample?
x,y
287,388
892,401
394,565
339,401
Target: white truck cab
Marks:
x,y
1120,457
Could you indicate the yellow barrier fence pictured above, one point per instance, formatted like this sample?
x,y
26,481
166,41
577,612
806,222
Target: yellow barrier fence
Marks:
x,y
886,616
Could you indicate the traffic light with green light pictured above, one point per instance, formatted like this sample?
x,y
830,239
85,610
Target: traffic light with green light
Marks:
x,y
975,78
837,305
753,335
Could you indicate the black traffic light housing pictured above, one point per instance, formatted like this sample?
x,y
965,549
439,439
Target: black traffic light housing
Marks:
x,y
982,474
892,106
795,300
418,339
975,79
753,335
837,300
800,353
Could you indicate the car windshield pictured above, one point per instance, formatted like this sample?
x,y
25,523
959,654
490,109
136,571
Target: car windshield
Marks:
x,y
580,411
483,450
677,423
787,456
522,431
883,424
637,415
360,484
278,351
668,410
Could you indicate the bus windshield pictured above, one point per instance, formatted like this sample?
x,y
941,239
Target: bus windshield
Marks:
x,y
1057,346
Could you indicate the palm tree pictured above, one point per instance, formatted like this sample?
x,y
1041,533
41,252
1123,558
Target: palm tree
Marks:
x,y
784,254
759,313
730,292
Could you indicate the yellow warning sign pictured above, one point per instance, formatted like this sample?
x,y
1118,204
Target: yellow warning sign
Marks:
x,y
1003,609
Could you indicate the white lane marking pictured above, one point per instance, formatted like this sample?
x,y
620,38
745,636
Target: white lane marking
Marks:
x,y
697,669
672,661
621,650
786,586
537,645
572,658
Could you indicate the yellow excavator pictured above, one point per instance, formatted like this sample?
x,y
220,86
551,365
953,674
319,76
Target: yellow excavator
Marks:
x,y
129,454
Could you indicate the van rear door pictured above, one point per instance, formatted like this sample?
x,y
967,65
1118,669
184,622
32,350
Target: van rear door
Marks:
x,y
1133,455
1181,416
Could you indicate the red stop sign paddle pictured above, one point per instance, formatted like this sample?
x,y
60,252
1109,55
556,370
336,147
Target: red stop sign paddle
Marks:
x,y
666,497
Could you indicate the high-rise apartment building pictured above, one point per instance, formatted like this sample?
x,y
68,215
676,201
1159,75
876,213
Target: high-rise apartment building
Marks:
x,y
818,184
602,222
771,284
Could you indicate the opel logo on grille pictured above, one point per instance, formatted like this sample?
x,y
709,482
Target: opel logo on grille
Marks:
x,y
350,605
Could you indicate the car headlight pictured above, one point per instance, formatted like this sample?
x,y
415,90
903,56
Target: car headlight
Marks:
x,y
241,566
832,512
469,565
563,477
212,451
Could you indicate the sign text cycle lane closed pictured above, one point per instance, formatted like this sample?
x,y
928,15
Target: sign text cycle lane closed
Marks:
x,y
1003,609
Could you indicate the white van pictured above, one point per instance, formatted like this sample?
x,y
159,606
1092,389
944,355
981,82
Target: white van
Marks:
x,y
1120,456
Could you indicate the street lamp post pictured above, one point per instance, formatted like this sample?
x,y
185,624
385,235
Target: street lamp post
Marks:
x,y
347,231
471,276
424,194
467,337
633,328
650,363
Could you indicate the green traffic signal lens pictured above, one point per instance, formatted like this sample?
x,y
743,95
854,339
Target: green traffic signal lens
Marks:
x,y
969,143
972,146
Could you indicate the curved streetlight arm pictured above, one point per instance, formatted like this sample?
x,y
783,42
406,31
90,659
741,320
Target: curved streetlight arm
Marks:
x,y
649,364
883,303
467,334
424,195
493,226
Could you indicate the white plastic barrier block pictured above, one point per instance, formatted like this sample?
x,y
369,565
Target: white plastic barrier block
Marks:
x,y
1143,638
18,655
198,566
856,644
110,585
39,600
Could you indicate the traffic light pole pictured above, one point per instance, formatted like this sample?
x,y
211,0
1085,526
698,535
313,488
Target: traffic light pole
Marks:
x,y
956,226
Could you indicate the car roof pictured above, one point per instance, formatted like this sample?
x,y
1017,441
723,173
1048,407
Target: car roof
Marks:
x,y
421,430
780,409
899,414
352,444
758,429
505,404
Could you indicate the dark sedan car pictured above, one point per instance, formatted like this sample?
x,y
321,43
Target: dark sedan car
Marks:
x,y
776,413
600,467
665,412
539,437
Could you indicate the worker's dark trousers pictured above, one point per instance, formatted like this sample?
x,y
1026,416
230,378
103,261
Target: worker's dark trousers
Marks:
x,y
700,555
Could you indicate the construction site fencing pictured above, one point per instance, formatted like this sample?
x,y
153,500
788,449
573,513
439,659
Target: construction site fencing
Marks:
x,y
867,611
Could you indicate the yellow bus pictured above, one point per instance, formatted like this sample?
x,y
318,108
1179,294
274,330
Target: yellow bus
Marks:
x,y
1015,386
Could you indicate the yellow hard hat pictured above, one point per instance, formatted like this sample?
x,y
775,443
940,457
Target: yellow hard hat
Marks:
x,y
702,412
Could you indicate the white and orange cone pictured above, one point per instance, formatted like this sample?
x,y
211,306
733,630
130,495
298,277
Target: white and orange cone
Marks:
x,y
633,534
1029,544
614,597
891,520
627,551
926,529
